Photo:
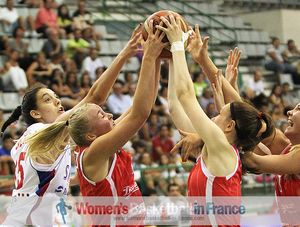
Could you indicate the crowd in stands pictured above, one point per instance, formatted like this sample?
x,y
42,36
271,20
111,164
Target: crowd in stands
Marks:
x,y
70,72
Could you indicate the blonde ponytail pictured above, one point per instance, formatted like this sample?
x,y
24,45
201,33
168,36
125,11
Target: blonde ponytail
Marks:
x,y
49,142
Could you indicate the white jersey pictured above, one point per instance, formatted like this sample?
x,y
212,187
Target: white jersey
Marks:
x,y
36,181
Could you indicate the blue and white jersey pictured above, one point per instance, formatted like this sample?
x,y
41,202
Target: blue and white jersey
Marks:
x,y
35,181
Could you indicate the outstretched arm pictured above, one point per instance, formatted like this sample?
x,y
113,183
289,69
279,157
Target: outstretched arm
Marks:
x,y
178,115
96,159
276,164
198,49
101,88
206,129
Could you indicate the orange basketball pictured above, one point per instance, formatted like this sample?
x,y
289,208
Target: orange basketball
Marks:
x,y
156,20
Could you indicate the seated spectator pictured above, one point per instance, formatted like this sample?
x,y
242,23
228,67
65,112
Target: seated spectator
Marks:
x,y
117,102
39,71
21,46
291,55
150,128
255,84
46,19
211,110
289,100
14,78
64,19
199,83
3,44
91,37
278,116
85,82
161,104
161,143
77,48
52,46
82,18
7,144
275,97
56,62
72,83
91,63
206,98
62,90
10,18
275,62
6,162
99,71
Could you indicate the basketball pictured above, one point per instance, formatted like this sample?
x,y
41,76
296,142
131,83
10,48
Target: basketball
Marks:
x,y
156,20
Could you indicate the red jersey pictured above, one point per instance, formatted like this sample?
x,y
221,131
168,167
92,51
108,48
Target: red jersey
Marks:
x,y
119,181
287,184
202,183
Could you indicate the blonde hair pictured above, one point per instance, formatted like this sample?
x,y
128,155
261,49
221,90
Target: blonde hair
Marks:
x,y
50,142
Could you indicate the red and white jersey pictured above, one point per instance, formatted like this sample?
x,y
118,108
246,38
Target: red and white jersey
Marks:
x,y
287,184
203,183
34,180
119,181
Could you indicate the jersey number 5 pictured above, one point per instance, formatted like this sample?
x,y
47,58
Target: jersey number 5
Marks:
x,y
20,174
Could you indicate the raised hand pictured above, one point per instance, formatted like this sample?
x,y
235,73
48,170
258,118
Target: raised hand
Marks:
x,y
173,29
197,46
189,145
133,46
154,45
217,91
231,72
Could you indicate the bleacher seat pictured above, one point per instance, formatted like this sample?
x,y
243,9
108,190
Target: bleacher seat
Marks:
x,y
35,45
105,47
133,64
115,46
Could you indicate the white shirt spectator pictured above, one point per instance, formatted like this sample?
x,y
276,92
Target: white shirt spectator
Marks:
x,y
277,52
256,86
118,104
91,65
14,79
9,15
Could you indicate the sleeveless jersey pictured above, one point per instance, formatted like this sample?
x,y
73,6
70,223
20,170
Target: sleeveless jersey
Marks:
x,y
202,183
287,184
119,181
34,180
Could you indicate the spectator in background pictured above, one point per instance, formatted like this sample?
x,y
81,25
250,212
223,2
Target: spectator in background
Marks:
x,y
99,71
81,17
7,144
85,82
206,98
14,78
91,63
117,102
275,62
287,96
211,110
174,190
74,86
21,46
52,46
10,18
199,83
77,48
64,19
90,36
256,84
46,19
275,97
39,71
161,104
161,143
150,128
291,55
